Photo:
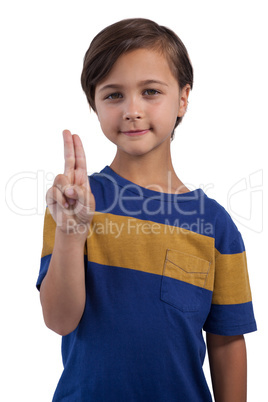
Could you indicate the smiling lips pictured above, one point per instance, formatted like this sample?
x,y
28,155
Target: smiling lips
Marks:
x,y
135,133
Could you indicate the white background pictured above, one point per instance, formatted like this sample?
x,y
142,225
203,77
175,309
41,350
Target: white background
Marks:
x,y
219,146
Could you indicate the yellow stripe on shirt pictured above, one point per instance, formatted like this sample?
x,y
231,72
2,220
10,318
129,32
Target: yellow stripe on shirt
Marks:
x,y
160,249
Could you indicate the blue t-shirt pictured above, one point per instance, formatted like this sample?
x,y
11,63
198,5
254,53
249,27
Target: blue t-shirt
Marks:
x,y
160,268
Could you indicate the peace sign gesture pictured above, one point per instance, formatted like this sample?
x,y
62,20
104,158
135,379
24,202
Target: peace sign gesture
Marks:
x,y
70,200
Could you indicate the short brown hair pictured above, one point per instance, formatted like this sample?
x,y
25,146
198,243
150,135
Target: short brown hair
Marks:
x,y
127,35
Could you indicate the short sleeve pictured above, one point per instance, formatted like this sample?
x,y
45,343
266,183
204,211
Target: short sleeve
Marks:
x,y
48,245
231,311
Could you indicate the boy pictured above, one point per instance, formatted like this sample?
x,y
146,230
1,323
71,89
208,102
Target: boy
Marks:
x,y
135,265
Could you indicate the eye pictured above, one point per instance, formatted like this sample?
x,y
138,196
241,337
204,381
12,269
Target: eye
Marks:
x,y
114,96
151,92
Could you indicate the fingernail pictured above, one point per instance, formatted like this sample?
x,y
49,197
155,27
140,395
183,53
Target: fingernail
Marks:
x,y
69,191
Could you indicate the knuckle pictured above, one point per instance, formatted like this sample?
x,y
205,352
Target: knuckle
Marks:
x,y
48,195
70,160
59,179
51,192
60,182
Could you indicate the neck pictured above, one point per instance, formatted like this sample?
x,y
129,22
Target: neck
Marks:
x,y
149,171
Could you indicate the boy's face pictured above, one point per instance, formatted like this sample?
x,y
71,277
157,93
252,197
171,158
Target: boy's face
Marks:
x,y
138,102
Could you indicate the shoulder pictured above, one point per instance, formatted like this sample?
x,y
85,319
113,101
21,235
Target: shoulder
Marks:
x,y
228,239
100,180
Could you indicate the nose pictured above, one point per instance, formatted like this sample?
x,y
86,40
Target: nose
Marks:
x,y
132,116
133,110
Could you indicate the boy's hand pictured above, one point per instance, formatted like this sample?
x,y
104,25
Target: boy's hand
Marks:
x,y
70,200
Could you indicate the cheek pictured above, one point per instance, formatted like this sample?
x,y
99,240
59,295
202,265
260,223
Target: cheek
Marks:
x,y
167,116
103,118
108,123
107,115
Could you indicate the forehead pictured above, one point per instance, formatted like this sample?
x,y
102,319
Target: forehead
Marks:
x,y
140,65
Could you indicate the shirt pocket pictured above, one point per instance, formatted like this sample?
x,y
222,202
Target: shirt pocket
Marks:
x,y
184,277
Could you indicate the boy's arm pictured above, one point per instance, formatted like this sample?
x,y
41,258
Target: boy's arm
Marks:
x,y
62,291
228,366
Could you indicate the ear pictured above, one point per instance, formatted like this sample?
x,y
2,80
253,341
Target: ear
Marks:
x,y
183,102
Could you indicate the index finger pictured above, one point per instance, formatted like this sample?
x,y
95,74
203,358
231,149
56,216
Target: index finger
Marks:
x,y
69,155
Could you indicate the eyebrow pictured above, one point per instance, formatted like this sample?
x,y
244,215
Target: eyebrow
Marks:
x,y
141,83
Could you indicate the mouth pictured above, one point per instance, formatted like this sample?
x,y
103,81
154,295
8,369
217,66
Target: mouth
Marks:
x,y
135,133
